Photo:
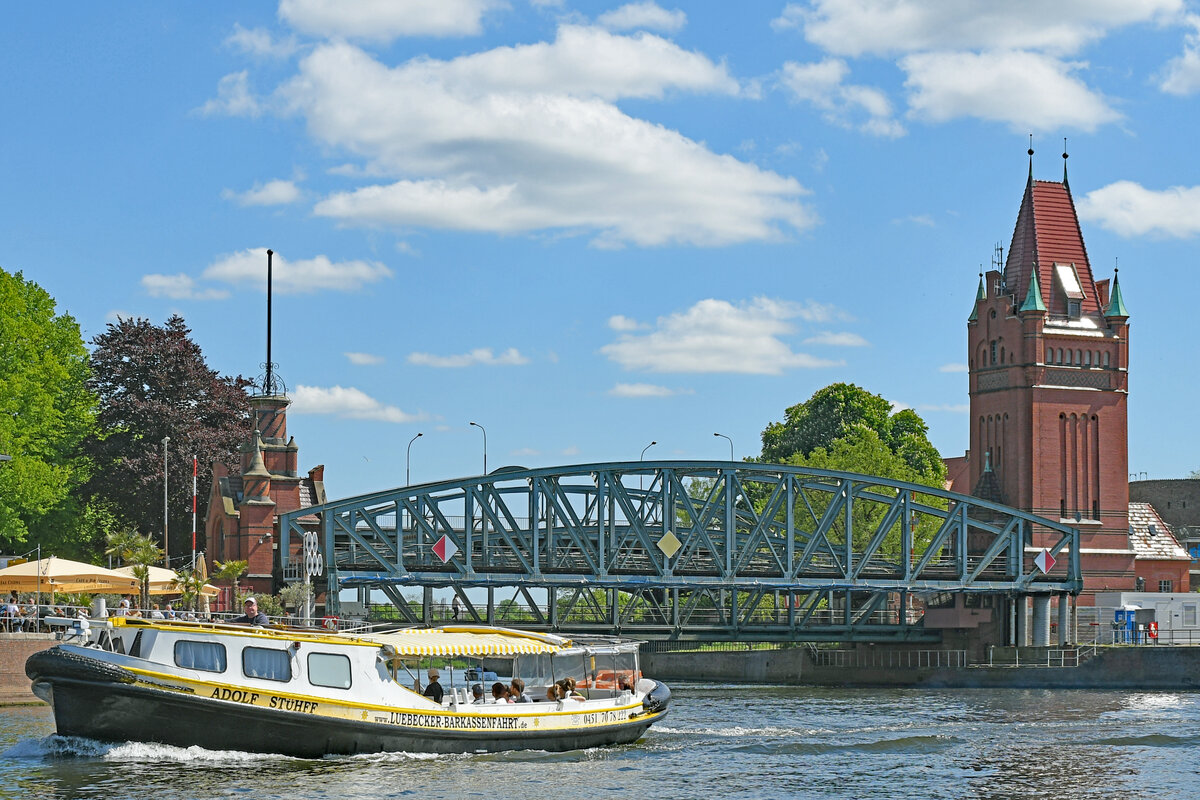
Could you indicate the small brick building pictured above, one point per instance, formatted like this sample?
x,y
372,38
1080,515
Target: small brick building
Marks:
x,y
242,508
1162,565
1048,359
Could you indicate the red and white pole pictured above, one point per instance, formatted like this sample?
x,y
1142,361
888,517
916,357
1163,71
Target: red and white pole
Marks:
x,y
194,471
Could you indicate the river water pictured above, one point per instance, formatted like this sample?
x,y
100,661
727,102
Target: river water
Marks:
x,y
718,743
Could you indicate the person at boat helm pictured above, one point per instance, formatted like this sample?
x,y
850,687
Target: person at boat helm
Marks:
x,y
434,690
252,616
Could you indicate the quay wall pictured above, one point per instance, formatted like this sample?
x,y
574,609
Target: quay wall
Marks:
x,y
1143,668
15,648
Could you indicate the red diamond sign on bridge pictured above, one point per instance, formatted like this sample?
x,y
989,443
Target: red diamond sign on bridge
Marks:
x,y
1045,562
445,548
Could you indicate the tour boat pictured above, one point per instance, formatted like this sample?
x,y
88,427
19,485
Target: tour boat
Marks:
x,y
309,693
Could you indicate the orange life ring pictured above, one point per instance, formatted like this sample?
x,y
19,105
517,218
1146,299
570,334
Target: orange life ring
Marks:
x,y
1153,629
330,623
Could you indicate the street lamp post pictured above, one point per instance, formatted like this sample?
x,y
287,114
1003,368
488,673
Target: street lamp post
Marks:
x,y
477,425
642,457
726,438
166,507
408,460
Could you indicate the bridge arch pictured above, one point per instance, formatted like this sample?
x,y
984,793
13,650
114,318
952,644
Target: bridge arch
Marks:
x,y
685,549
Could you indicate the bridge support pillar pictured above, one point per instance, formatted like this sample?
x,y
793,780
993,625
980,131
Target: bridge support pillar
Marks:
x,y
1041,620
1020,604
1064,620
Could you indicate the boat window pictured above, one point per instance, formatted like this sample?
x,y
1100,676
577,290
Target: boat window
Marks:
x,y
207,656
262,662
135,649
329,669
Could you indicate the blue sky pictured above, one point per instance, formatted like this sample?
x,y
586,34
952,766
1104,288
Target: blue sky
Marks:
x,y
589,226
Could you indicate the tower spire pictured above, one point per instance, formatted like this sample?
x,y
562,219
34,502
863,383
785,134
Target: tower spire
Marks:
x,y
1116,303
981,294
1033,298
1065,164
1030,158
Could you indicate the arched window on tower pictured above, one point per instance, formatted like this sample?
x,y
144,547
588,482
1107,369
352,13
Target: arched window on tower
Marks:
x,y
1068,362
1001,354
1087,358
993,361
1079,358
1106,358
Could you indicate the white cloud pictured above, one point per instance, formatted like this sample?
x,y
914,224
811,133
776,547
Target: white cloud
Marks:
x,y
384,20
642,390
822,84
364,359
647,15
179,287
918,219
525,452
1181,75
952,408
346,403
1129,209
620,322
295,277
832,339
259,42
715,336
272,193
527,138
480,356
571,451
234,98
954,367
1028,91
116,315
883,27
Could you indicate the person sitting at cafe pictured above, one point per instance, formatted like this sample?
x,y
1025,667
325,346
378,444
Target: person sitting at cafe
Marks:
x,y
252,616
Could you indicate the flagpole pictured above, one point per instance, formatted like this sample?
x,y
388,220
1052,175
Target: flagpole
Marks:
x,y
194,470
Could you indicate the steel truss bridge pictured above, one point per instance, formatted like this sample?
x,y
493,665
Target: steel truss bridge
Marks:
x,y
691,550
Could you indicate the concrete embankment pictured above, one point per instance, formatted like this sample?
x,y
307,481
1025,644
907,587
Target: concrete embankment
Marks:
x,y
1153,668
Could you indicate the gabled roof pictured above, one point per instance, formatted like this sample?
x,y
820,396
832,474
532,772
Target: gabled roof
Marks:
x,y
1047,233
1159,545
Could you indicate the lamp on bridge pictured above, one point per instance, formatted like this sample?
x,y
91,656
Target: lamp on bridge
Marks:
x,y
408,460
726,438
477,425
642,457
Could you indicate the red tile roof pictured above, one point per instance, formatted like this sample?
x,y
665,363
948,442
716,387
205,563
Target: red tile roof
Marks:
x,y
1047,232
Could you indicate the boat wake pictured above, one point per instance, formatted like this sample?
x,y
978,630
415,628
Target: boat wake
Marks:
x,y
69,747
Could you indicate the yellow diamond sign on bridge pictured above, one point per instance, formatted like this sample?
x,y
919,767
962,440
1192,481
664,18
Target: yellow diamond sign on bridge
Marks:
x,y
669,544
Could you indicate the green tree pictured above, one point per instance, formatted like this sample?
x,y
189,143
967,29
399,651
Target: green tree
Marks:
x,y
230,571
46,410
842,412
138,550
152,382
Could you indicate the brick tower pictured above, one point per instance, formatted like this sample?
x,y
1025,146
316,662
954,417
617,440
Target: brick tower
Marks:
x,y
241,522
1048,356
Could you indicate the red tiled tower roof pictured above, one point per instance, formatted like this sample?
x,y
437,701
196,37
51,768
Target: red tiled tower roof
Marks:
x,y
1047,233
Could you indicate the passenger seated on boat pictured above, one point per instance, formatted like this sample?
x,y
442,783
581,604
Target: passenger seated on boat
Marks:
x,y
500,693
517,691
252,616
477,697
433,690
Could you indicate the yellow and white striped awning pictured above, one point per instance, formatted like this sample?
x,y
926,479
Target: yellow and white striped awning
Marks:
x,y
483,642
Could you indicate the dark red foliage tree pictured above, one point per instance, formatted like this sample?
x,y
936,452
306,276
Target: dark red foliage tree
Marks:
x,y
153,382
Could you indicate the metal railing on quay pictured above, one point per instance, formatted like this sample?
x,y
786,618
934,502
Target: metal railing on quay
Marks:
x,y
890,659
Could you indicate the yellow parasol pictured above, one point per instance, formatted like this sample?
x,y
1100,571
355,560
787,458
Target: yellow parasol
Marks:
x,y
165,581
63,575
